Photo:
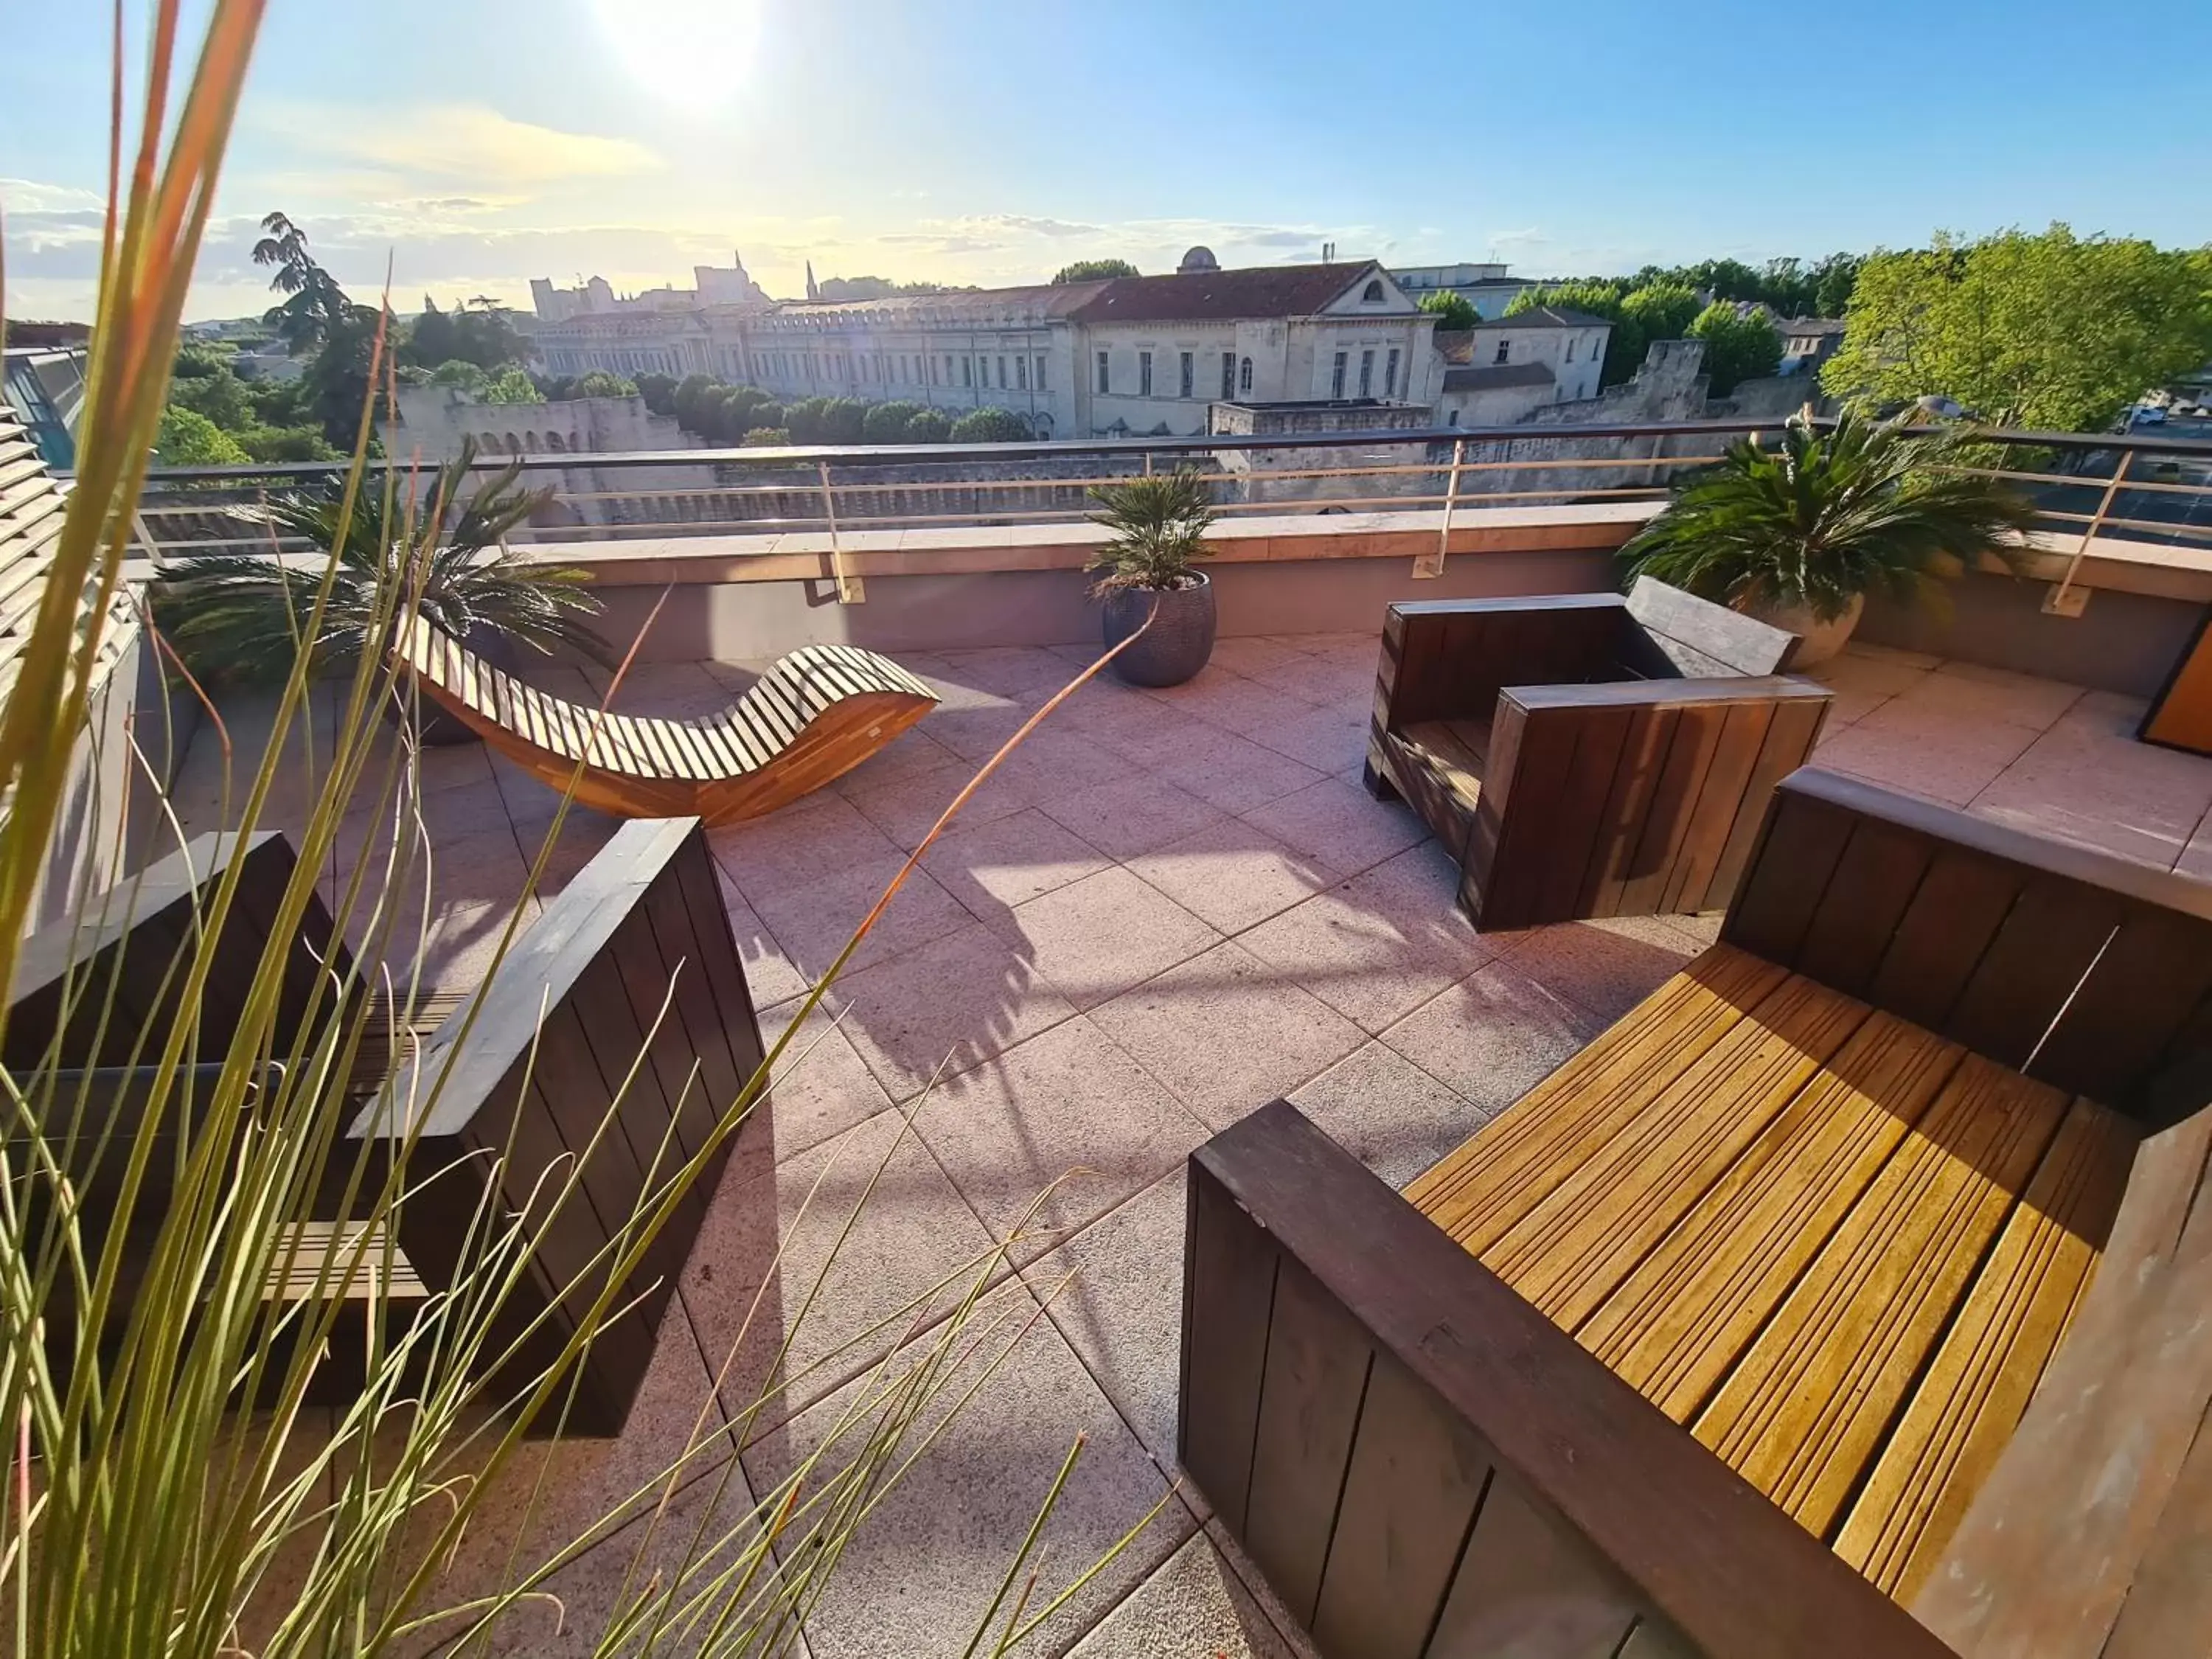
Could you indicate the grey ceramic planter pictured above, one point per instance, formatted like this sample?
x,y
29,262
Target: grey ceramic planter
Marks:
x,y
1177,644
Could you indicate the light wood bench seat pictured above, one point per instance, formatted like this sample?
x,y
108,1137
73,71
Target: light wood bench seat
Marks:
x,y
1837,1247
1454,751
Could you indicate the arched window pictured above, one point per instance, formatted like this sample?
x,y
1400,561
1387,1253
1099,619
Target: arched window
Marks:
x,y
1244,375
513,444
555,443
1372,294
488,441
532,443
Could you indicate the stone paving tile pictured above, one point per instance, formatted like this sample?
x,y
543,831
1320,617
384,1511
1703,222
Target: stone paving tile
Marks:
x,y
1068,1107
964,1508
905,809
1009,670
950,1003
1242,706
1910,747
1256,1586
1494,1035
820,1088
1252,653
1340,826
1379,945
1132,815
1116,1291
1194,1605
797,846
1098,937
913,753
1970,694
770,976
1607,967
1231,874
991,867
1387,1112
811,922
1332,739
2088,780
1227,1032
1234,773
775,1263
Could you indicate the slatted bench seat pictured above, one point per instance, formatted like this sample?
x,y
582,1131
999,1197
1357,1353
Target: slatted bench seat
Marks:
x,y
1847,1296
1836,1247
816,714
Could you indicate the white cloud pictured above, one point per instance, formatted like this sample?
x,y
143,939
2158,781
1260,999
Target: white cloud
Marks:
x,y
489,153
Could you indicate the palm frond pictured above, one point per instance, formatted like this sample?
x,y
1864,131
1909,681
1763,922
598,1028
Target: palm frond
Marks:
x,y
1158,523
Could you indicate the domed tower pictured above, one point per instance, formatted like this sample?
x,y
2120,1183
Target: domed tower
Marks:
x,y
1198,260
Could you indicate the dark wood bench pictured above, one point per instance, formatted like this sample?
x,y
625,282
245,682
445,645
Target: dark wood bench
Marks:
x,y
1588,754
1860,1268
637,942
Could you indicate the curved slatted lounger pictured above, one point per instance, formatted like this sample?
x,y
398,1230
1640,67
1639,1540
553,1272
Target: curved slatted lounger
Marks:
x,y
817,713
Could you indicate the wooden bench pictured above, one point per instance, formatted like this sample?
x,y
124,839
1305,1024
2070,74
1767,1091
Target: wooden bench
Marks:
x,y
1857,1269
1588,754
638,941
815,715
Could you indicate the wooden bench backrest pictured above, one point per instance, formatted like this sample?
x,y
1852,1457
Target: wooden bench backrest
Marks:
x,y
2079,969
1679,633
638,942
1449,659
139,936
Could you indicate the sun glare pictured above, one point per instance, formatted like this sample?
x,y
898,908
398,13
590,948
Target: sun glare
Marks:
x,y
695,53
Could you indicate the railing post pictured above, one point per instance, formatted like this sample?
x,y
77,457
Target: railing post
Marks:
x,y
2059,601
1433,564
851,590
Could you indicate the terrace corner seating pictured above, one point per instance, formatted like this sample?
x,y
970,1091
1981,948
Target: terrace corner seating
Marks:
x,y
817,713
1851,1296
555,1034
1585,754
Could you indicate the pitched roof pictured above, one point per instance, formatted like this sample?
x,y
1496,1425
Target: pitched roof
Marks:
x,y
1052,299
1547,316
1493,376
1807,326
1223,296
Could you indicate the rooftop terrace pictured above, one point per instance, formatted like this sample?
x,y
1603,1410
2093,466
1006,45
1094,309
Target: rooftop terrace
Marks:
x,y
1169,908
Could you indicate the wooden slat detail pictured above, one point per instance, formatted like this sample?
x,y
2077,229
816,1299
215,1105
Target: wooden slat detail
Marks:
x,y
1315,1377
1872,885
1229,1294
1801,1413
1599,738
1667,819
1525,1587
1642,758
1694,1305
1963,1410
1711,817
1478,1191
1790,736
1415,1480
1713,632
1626,1190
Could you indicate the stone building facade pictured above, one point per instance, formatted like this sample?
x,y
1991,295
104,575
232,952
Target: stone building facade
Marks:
x,y
1501,371
1136,354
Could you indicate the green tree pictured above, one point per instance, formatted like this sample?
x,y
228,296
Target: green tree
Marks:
x,y
2049,330
770,413
767,437
314,305
887,423
805,420
599,383
1833,279
188,438
431,339
1452,310
990,426
842,420
287,443
220,395
511,385
335,386
658,391
1739,345
684,402
458,372
1664,310
929,426
1089,271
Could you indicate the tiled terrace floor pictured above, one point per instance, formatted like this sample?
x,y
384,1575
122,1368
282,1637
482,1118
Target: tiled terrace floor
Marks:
x,y
1167,908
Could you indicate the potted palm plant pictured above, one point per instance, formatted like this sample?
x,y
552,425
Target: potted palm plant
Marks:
x,y
1143,574
233,616
1800,534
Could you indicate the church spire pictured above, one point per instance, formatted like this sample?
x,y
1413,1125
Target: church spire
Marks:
x,y
813,288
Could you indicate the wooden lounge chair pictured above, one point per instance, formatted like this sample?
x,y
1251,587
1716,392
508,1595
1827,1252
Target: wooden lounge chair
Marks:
x,y
817,713
553,1038
1585,754
1863,1267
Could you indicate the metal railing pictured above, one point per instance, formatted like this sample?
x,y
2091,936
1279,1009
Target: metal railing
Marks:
x,y
2086,485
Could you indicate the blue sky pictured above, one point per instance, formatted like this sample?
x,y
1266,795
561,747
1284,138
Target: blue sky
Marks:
x,y
478,143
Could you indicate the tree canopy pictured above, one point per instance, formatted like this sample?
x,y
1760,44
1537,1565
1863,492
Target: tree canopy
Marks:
x,y
1452,310
477,333
511,385
1739,345
188,438
990,426
2049,330
1089,271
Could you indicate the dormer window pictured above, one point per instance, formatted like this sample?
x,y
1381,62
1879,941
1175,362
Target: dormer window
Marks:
x,y
1373,294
